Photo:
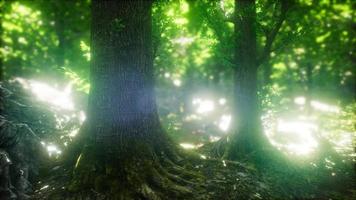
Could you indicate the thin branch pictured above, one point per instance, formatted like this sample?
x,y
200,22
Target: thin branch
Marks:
x,y
214,18
271,35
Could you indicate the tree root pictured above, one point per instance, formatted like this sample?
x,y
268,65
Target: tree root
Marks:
x,y
139,175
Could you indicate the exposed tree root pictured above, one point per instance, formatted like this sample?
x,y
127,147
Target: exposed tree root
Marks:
x,y
138,173
238,150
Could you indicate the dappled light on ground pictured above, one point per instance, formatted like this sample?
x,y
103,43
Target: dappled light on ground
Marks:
x,y
44,92
324,107
296,137
177,82
298,131
203,105
318,105
295,131
224,122
190,146
68,118
52,149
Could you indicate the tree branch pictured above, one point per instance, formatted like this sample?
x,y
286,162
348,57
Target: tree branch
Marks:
x,y
214,19
271,35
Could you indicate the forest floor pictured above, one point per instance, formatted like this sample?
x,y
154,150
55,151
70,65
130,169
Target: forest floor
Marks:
x,y
224,179
221,179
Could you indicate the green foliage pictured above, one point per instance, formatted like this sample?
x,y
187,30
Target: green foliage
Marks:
x,y
324,45
25,43
37,39
178,48
85,49
81,84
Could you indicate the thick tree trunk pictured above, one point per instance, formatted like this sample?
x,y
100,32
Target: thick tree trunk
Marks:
x,y
247,128
122,101
124,145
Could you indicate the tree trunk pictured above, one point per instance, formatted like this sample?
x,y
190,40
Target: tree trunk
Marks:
x,y
124,143
3,9
59,26
309,88
267,72
122,101
247,127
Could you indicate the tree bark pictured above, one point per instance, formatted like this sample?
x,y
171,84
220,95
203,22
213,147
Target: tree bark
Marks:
x,y
309,88
122,100
247,130
267,72
59,26
3,8
124,145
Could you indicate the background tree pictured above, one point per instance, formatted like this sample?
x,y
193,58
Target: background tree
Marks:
x,y
248,136
248,127
254,34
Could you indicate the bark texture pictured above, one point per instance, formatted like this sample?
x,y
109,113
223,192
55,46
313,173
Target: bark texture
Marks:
x,y
125,148
121,102
59,27
248,134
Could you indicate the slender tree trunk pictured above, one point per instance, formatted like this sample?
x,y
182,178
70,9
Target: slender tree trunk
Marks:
x,y
59,26
267,72
247,124
1,44
309,88
3,8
